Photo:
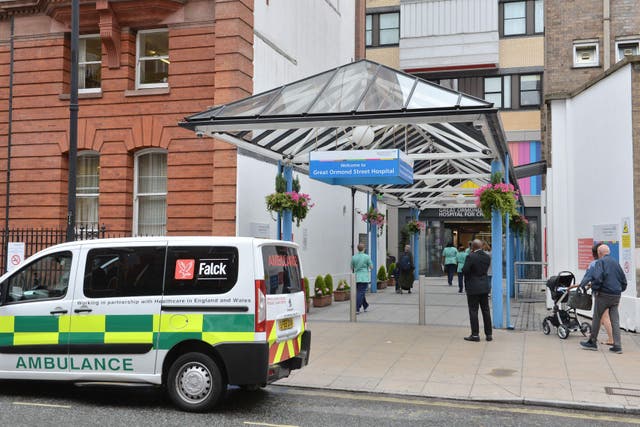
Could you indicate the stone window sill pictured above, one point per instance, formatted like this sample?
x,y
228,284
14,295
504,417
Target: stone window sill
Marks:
x,y
81,95
147,92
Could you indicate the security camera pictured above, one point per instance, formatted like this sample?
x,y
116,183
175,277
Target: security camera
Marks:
x,y
477,125
200,134
486,152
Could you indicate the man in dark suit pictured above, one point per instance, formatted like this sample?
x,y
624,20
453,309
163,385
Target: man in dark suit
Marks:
x,y
478,287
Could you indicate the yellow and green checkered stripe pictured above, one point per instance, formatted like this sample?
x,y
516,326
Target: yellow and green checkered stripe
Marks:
x,y
162,332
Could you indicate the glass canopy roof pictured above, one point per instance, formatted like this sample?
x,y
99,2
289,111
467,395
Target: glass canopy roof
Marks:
x,y
451,137
363,86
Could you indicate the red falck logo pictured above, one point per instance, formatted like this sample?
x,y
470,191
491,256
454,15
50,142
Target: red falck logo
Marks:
x,y
184,269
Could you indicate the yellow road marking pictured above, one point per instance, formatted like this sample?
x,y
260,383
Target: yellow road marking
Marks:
x,y
251,423
531,411
45,405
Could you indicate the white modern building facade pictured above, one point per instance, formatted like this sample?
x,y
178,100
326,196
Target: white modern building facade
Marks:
x,y
294,40
591,189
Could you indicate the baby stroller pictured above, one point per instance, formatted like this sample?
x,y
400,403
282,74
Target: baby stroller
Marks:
x,y
566,299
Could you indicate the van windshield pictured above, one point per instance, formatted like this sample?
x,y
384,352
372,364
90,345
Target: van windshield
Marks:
x,y
281,269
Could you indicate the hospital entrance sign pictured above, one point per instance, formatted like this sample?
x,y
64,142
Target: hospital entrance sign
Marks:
x,y
361,167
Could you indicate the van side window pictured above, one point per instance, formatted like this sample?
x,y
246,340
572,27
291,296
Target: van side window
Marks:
x,y
281,269
124,272
46,278
201,270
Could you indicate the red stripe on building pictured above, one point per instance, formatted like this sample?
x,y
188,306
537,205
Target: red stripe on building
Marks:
x,y
451,68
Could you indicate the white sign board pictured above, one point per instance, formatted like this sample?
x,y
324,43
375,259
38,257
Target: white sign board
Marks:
x,y
260,230
15,255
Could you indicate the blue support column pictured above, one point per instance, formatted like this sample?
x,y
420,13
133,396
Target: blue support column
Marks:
x,y
374,249
416,248
509,254
496,259
279,220
287,223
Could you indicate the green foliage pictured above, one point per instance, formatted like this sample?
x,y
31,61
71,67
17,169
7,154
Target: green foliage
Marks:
x,y
298,203
519,224
374,217
497,195
318,287
281,183
278,202
496,177
306,287
392,268
343,286
328,284
382,273
413,227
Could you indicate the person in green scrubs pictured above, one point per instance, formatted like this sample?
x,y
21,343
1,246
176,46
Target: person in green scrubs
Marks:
x,y
461,257
450,261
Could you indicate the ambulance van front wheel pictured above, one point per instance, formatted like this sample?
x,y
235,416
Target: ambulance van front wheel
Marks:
x,y
194,382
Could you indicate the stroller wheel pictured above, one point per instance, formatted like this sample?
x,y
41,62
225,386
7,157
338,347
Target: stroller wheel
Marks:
x,y
585,328
546,326
563,332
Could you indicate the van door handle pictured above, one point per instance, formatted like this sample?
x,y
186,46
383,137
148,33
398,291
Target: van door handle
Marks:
x,y
60,311
82,310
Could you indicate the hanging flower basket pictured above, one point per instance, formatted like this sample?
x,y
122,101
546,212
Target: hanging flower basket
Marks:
x,y
519,224
374,217
298,203
497,195
414,227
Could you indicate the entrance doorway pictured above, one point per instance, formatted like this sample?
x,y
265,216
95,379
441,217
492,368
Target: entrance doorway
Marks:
x,y
459,232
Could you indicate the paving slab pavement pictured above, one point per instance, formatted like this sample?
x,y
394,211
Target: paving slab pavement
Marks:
x,y
386,351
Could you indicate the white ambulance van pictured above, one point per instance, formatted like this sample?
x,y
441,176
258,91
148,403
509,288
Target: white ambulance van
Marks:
x,y
191,314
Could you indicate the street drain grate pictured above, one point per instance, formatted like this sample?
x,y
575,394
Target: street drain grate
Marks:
x,y
619,391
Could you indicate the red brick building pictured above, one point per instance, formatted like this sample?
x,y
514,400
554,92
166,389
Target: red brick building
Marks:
x,y
144,65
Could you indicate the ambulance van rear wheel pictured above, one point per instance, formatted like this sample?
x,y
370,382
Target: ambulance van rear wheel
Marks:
x,y
194,383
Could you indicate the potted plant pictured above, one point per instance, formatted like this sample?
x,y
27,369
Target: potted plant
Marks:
x,y
295,201
392,278
382,277
374,217
414,227
496,195
298,203
342,292
306,293
519,224
321,297
328,283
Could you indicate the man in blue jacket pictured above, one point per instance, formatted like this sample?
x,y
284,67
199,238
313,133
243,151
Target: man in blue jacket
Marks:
x,y
607,283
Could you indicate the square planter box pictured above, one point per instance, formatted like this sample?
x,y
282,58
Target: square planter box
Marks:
x,y
382,285
341,295
322,301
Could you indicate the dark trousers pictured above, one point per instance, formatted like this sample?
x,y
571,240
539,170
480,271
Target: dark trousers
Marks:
x,y
451,270
361,299
602,302
460,281
474,301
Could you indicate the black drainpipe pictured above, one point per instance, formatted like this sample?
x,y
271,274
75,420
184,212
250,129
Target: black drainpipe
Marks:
x,y
9,133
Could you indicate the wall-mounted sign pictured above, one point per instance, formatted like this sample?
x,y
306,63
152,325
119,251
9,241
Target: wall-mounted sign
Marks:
x,y
354,167
585,256
453,213
15,255
608,233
